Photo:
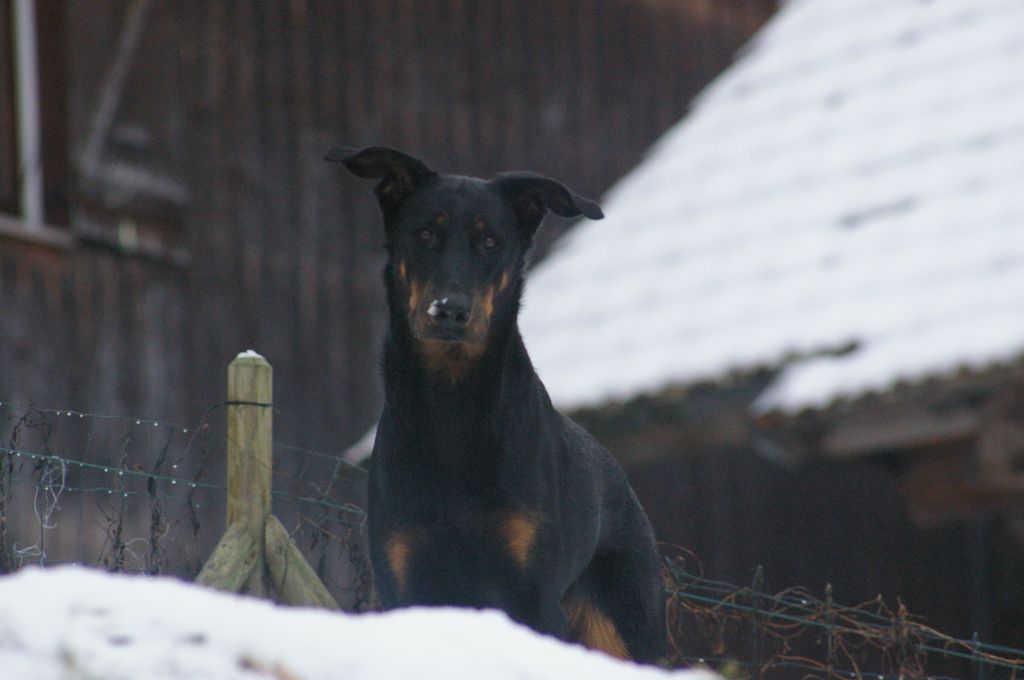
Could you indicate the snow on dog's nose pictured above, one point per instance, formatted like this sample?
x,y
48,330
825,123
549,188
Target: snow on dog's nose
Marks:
x,y
451,311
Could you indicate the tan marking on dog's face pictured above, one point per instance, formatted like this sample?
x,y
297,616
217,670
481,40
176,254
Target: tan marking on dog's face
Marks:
x,y
520,533
506,279
589,626
479,225
450,359
416,291
441,219
486,305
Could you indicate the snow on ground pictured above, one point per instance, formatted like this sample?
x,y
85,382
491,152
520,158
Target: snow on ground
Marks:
x,y
70,622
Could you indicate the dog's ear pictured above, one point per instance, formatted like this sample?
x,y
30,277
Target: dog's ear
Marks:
x,y
531,196
399,174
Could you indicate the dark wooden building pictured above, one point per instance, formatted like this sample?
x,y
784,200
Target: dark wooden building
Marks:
x,y
186,210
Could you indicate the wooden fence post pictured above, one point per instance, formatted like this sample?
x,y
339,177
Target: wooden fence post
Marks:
x,y
250,438
256,555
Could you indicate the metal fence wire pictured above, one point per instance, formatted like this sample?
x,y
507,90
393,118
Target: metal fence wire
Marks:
x,y
143,496
745,632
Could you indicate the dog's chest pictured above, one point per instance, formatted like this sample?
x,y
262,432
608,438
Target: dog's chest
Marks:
x,y
477,541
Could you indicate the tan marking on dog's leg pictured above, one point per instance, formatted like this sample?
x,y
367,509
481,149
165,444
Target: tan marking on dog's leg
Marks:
x,y
590,627
403,274
399,551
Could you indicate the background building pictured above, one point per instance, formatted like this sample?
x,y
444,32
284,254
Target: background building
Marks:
x,y
801,325
175,209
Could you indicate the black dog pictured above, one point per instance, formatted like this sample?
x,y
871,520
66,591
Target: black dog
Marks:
x,y
481,493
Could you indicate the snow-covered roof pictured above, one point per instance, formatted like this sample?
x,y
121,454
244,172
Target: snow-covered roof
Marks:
x,y
854,180
70,622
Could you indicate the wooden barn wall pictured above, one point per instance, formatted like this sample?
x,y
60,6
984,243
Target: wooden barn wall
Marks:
x,y
208,223
289,246
730,501
96,334
826,522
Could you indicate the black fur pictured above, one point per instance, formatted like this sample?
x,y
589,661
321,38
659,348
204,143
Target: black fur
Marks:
x,y
481,493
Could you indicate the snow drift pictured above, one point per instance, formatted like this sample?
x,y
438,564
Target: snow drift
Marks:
x,y
70,622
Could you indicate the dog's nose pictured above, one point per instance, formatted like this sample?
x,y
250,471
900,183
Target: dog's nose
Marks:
x,y
450,310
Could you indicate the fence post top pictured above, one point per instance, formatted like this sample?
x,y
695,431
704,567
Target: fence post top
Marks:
x,y
250,357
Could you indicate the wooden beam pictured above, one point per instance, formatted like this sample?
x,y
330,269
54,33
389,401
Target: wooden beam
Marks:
x,y
233,561
113,87
897,426
292,578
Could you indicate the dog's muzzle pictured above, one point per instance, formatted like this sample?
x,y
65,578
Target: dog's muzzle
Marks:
x,y
451,318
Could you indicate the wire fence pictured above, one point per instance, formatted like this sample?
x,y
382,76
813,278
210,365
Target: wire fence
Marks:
x,y
745,632
144,496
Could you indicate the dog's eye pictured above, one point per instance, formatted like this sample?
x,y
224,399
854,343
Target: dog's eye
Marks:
x,y
425,236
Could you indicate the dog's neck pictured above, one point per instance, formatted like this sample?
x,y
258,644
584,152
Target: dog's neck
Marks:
x,y
451,410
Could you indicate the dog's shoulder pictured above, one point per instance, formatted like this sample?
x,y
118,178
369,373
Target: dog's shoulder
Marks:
x,y
584,454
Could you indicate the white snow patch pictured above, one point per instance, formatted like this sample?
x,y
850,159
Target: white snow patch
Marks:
x,y
249,354
434,308
70,622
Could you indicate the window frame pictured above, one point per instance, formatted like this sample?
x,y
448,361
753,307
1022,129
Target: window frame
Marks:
x,y
33,131
9,182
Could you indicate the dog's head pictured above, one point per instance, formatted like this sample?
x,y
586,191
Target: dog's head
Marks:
x,y
456,245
